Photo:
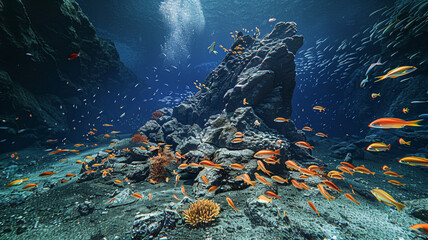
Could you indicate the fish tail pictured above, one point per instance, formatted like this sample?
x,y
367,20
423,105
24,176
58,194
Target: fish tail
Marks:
x,y
380,78
415,123
277,152
408,143
400,206
389,146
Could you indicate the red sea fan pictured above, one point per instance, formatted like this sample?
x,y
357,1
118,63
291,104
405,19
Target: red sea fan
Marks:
x,y
138,138
158,164
156,115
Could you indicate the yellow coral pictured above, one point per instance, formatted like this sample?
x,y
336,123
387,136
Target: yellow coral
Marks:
x,y
201,212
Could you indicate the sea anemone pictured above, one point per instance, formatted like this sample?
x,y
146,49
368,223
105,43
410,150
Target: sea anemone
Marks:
x,y
138,138
157,165
156,115
201,212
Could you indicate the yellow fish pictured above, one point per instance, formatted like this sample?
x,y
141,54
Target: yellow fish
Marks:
x,y
382,196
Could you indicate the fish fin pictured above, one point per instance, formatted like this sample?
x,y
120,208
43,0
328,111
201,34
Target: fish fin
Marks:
x,y
380,78
389,204
400,206
277,152
415,123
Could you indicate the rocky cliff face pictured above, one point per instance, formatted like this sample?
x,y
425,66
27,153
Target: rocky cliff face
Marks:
x,y
263,75
38,84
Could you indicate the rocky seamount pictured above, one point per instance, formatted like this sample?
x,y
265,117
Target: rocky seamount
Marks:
x,y
101,200
39,86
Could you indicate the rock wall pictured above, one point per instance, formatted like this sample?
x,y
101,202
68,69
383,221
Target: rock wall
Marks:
x,y
263,75
36,77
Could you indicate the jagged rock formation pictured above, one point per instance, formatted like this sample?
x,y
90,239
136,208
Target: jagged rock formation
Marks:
x,y
263,74
35,75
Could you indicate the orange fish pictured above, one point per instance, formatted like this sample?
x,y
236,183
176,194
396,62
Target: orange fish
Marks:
x,y
209,164
320,134
308,172
231,204
332,185
402,142
30,186
303,144
58,151
271,160
177,177
386,168
272,194
303,185
262,167
79,145
296,184
292,165
264,199
194,165
324,192
106,135
62,160
213,188
345,169
350,197
46,174
387,123
237,166
313,207
89,172
421,228
205,179
64,181
111,200
70,175
248,180
392,174
237,140
239,134
183,190
17,182
107,125
79,162
303,177
266,153
308,129
137,195
348,165
262,179
183,166
173,195
279,179
397,183
363,169
117,181
150,196
319,108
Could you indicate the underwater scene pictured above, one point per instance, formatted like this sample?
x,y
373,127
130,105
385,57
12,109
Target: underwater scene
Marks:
x,y
214,119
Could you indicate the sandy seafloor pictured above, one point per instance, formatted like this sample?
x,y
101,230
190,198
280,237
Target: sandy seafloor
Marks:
x,y
339,219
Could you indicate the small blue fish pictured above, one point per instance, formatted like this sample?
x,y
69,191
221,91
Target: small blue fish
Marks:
x,y
425,115
22,130
4,128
